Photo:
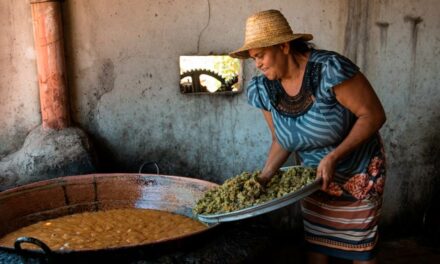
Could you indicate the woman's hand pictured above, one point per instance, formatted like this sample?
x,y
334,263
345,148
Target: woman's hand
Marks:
x,y
326,169
264,178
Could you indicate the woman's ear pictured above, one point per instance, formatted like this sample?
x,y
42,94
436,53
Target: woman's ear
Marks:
x,y
285,48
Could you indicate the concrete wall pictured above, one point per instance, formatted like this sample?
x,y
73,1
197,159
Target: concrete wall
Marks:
x,y
124,67
123,71
19,102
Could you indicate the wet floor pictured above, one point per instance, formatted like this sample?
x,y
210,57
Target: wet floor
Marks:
x,y
403,250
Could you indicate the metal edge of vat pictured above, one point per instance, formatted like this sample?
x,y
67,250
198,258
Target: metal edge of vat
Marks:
x,y
266,207
44,184
60,181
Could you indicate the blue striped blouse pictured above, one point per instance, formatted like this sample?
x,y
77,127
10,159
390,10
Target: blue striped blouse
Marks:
x,y
325,124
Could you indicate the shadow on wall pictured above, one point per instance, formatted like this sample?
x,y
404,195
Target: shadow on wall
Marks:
x,y
417,185
431,215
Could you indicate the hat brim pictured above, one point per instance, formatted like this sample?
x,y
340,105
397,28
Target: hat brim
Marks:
x,y
243,52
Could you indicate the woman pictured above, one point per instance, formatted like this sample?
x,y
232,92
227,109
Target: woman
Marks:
x,y
318,104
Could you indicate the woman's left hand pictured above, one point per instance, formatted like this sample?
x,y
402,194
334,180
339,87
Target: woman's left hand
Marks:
x,y
326,169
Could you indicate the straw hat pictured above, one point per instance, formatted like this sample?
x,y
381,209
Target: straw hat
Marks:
x,y
264,29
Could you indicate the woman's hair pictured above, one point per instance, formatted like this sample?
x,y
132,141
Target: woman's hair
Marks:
x,y
300,47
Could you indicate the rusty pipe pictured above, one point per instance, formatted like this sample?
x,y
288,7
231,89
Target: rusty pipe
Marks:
x,y
51,67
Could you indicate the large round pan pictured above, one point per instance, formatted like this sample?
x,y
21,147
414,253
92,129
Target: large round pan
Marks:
x,y
53,198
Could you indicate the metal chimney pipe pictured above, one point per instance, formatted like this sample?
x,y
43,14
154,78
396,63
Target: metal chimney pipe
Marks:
x,y
52,79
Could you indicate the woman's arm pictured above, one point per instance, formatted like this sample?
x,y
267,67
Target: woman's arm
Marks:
x,y
357,95
277,155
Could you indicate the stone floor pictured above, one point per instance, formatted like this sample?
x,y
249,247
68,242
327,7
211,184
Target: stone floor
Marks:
x,y
409,250
396,250
248,243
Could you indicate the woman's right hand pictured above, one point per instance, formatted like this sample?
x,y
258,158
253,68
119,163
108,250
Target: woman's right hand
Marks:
x,y
263,179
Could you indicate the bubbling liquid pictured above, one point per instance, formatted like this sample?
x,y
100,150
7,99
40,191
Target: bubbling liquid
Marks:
x,y
106,229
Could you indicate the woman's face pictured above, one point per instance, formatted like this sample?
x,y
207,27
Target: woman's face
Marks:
x,y
271,61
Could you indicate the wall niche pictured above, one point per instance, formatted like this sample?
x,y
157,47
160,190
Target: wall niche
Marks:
x,y
210,74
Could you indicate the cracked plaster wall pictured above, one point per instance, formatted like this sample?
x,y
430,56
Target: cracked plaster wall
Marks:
x,y
123,72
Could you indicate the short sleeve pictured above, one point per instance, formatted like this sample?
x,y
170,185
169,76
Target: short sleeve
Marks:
x,y
336,70
257,93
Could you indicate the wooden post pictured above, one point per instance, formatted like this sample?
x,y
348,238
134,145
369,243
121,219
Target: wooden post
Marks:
x,y
52,79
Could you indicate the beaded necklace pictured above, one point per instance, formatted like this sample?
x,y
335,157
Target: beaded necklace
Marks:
x,y
299,104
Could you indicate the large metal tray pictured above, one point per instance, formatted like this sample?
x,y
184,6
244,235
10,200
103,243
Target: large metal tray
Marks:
x,y
264,207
